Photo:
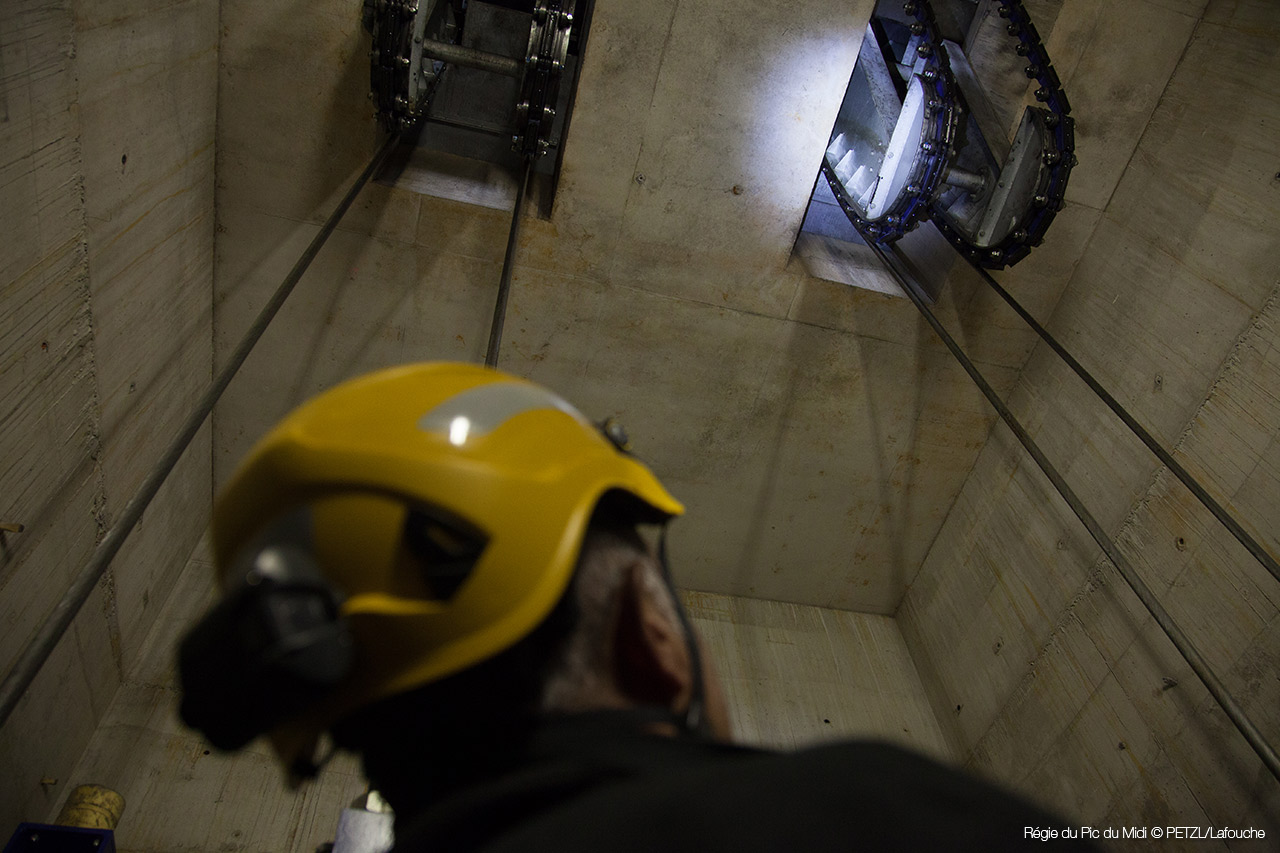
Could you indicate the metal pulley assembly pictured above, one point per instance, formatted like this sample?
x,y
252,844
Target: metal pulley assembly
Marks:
x,y
402,77
415,42
908,144
888,152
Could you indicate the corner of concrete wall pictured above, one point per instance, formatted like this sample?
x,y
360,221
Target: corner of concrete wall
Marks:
x,y
1060,682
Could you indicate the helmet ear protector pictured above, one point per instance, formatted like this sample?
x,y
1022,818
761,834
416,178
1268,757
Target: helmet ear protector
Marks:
x,y
274,643
277,641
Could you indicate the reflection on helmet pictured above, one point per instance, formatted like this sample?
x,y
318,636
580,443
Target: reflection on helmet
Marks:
x,y
444,504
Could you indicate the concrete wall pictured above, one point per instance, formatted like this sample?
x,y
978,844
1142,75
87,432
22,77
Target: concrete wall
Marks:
x,y
180,793
796,675
1041,664
106,132
818,433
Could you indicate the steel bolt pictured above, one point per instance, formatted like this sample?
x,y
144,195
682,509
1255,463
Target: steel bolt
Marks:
x,y
616,434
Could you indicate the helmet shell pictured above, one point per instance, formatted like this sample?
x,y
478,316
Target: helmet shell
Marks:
x,y
502,456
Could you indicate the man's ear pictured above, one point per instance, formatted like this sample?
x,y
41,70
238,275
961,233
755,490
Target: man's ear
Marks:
x,y
651,659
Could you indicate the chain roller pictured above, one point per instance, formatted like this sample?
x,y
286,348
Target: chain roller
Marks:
x,y
549,35
1056,130
402,79
941,118
1057,155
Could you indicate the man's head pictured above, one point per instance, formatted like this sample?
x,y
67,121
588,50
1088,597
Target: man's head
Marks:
x,y
631,645
420,526
615,642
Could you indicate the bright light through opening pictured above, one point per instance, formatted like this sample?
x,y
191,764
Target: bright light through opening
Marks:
x,y
459,427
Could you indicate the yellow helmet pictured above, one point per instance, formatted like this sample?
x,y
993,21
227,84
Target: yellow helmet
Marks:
x,y
492,476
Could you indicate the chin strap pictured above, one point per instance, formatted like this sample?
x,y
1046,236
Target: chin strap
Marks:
x,y
694,720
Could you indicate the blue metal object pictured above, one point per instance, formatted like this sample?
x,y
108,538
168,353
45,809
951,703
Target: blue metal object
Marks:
x,y
1058,152
965,198
46,838
929,162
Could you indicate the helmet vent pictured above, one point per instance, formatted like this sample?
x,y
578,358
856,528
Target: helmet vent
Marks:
x,y
445,552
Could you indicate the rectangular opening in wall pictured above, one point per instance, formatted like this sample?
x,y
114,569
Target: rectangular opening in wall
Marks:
x,y
830,247
463,147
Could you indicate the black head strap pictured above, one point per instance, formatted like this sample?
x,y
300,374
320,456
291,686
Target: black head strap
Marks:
x,y
695,718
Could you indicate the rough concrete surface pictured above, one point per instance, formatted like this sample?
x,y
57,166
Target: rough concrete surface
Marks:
x,y
796,675
1051,672
106,129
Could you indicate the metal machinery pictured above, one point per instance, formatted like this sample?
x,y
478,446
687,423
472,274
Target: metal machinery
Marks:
x,y
415,42
916,139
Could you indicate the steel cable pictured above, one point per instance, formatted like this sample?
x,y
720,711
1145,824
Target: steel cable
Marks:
x,y
37,651
1184,645
1242,536
508,267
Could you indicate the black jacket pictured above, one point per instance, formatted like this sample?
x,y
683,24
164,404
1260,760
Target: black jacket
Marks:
x,y
598,783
